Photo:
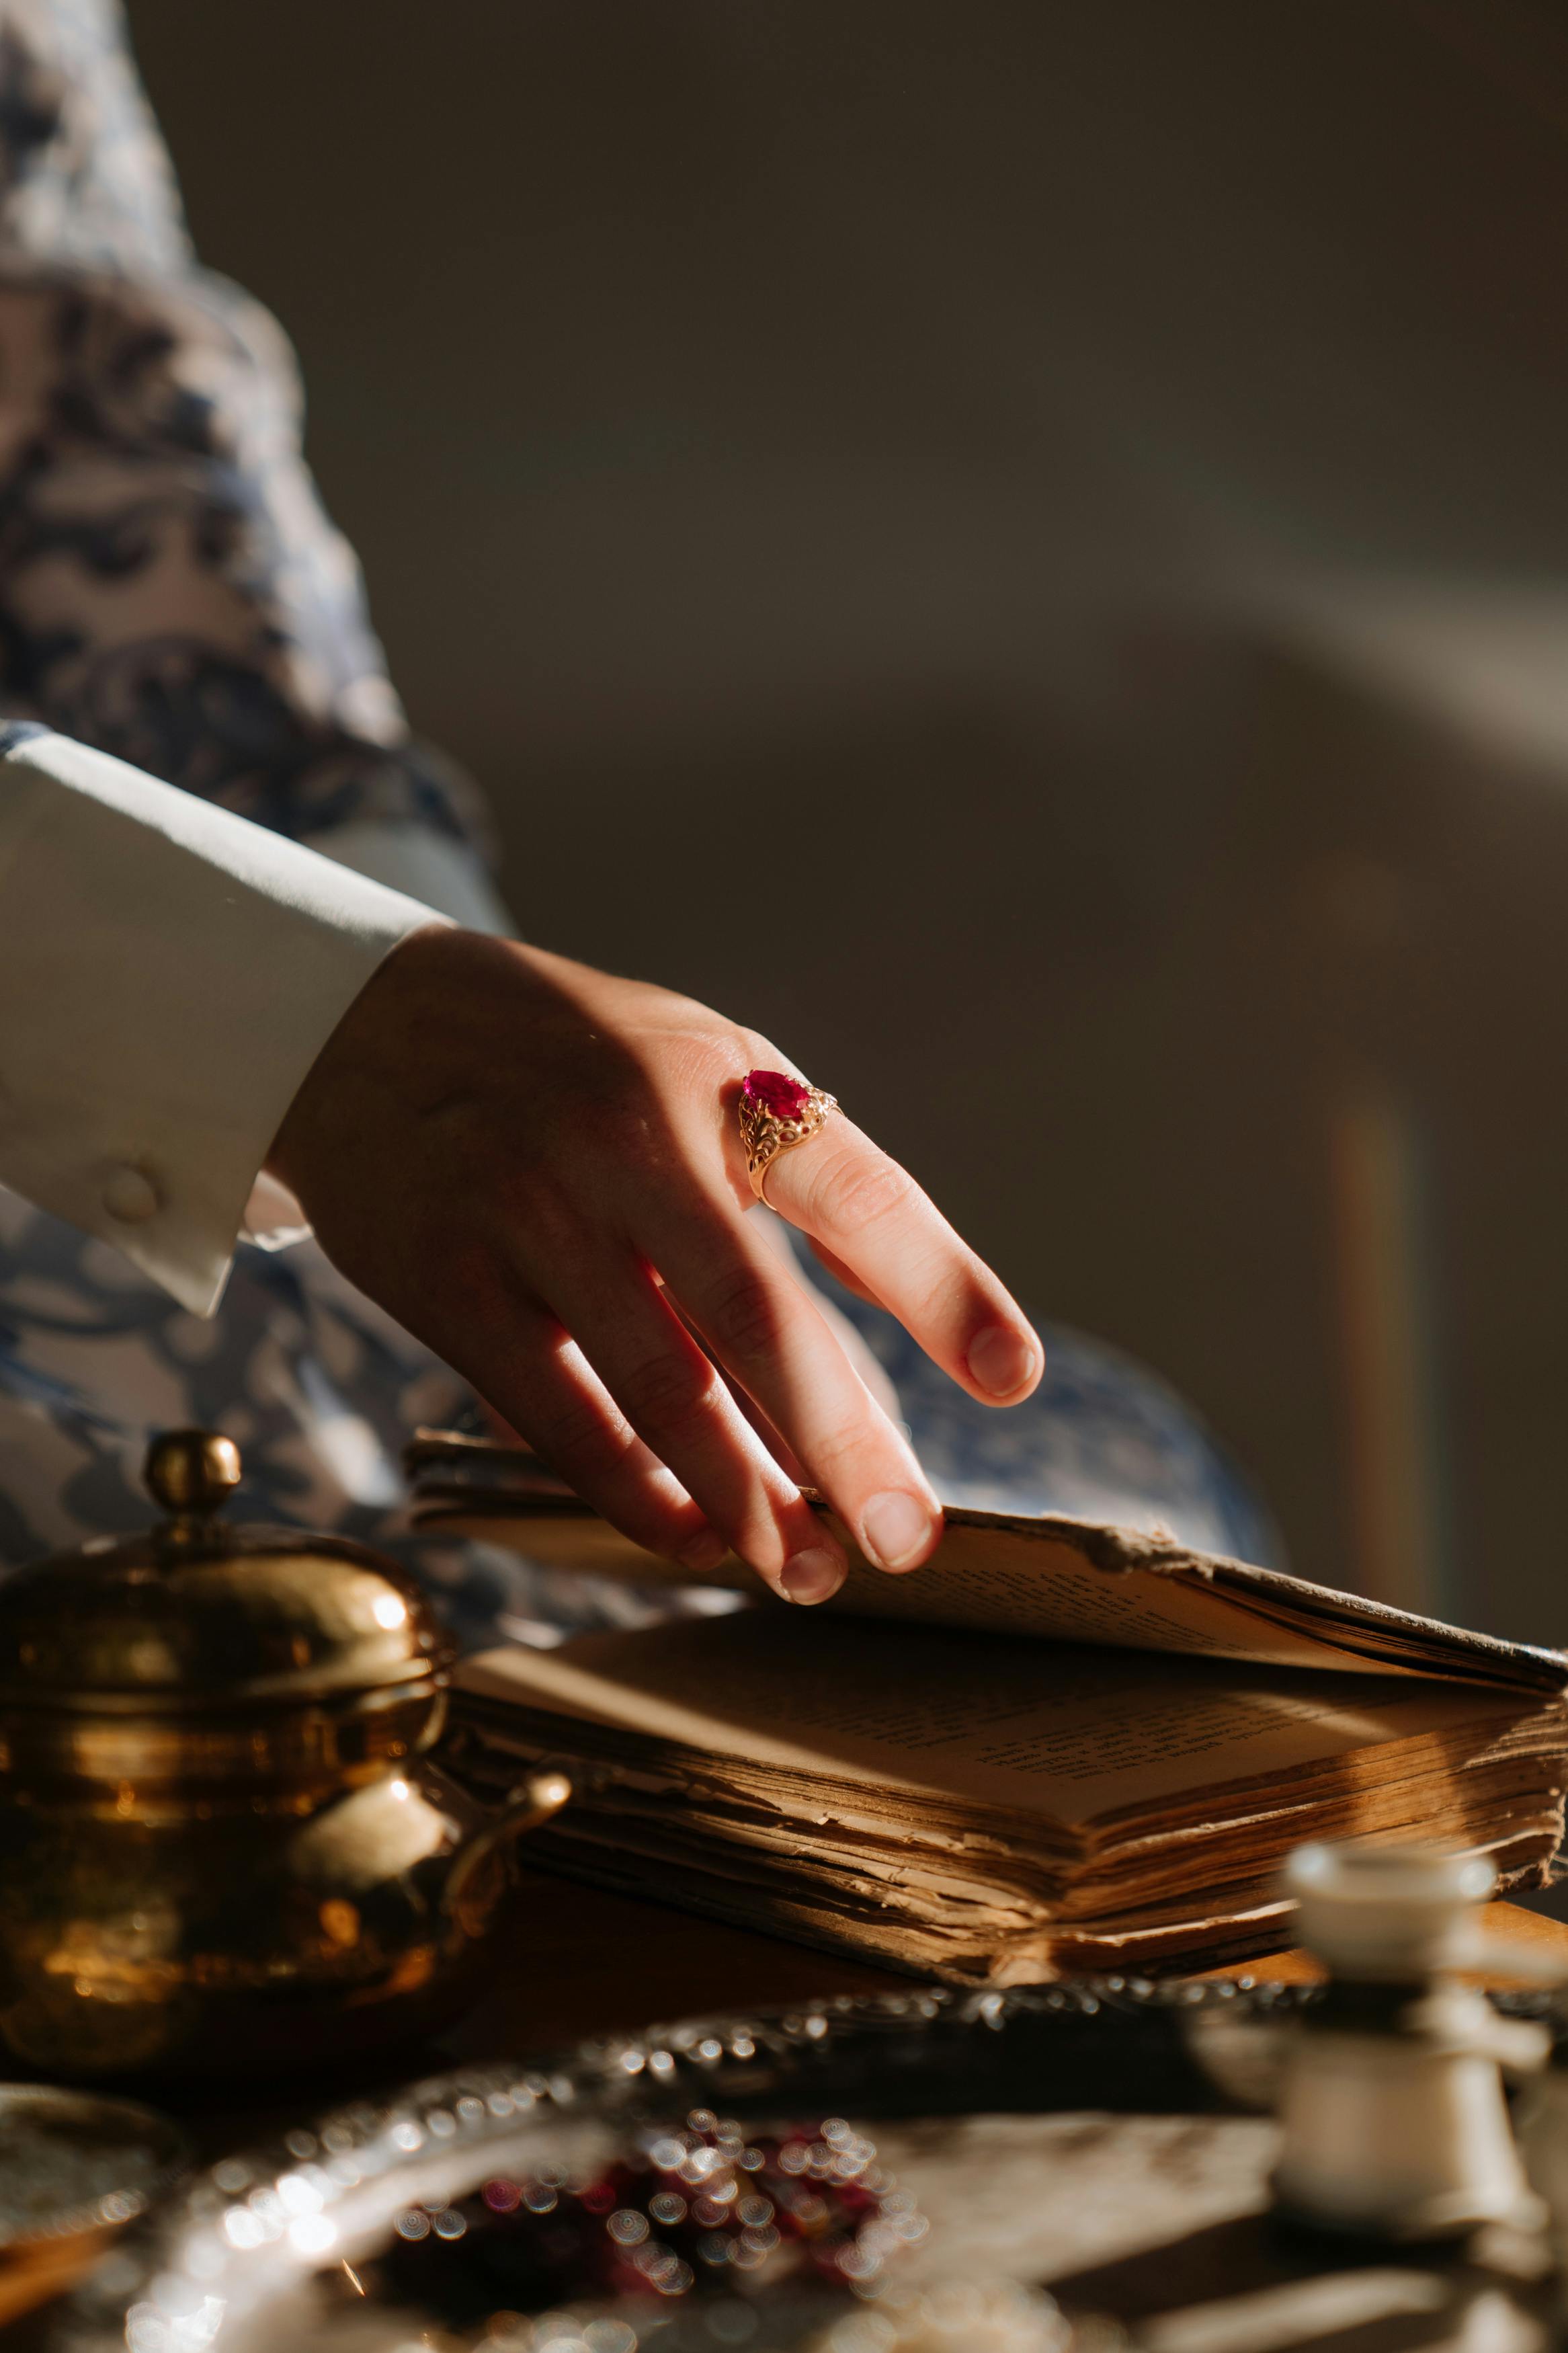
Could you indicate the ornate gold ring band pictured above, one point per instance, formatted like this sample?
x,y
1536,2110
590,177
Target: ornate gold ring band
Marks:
x,y
776,1114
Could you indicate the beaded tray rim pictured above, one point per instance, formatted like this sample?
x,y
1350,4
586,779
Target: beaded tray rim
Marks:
x,y
804,2052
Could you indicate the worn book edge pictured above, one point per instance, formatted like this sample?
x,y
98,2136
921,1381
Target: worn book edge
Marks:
x,y
1051,1577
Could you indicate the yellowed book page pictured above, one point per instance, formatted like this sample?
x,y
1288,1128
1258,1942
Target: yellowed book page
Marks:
x,y
1054,1577
1065,1734
1001,1579
986,1576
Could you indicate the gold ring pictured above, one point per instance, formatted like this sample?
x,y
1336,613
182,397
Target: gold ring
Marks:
x,y
776,1114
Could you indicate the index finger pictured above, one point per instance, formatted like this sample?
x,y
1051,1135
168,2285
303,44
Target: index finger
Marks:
x,y
868,1212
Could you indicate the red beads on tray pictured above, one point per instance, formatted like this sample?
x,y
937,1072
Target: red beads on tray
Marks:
x,y
701,2211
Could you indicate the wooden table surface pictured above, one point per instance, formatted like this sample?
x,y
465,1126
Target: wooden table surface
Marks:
x,y
579,1961
575,1961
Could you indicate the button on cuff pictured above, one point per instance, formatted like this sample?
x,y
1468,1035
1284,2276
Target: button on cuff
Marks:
x,y
131,1197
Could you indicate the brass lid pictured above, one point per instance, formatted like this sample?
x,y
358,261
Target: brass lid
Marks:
x,y
197,1614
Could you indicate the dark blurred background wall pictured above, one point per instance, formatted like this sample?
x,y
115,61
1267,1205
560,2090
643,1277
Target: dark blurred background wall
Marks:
x,y
1021,548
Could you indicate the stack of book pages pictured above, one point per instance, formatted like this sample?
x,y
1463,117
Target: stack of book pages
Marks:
x,y
1057,1746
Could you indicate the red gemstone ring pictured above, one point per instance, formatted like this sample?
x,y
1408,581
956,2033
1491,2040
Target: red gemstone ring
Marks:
x,y
776,1114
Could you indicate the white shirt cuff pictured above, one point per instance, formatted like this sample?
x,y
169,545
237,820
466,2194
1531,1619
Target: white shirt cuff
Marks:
x,y
168,974
424,865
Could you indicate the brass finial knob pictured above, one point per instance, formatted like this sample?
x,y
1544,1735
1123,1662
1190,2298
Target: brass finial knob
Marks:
x,y
192,1473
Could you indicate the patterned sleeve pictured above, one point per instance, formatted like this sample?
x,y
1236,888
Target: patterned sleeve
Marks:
x,y
171,590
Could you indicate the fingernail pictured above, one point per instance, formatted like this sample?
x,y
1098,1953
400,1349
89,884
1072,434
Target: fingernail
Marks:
x,y
703,1553
812,1576
1002,1360
894,1528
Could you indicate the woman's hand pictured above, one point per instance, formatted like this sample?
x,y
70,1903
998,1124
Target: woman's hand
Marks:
x,y
538,1169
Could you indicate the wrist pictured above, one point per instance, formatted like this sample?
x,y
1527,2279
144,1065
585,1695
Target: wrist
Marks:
x,y
377,1036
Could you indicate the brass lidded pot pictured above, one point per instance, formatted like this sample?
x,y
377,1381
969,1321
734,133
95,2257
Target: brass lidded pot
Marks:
x,y
223,1844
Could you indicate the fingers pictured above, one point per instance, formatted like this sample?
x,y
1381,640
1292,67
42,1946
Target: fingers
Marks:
x,y
842,1274
675,1400
750,1409
767,1333
771,1231
531,1372
869,1216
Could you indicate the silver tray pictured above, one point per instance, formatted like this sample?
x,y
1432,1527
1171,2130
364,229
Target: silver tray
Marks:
x,y
1093,2137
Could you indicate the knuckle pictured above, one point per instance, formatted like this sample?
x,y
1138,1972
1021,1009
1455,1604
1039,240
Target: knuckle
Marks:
x,y
761,1052
941,1293
582,1436
842,1457
855,1192
545,1230
665,1394
702,1053
743,1317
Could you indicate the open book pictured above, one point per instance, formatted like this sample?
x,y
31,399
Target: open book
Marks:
x,y
1078,1747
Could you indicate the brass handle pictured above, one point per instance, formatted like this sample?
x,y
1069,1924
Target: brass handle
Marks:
x,y
522,1808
